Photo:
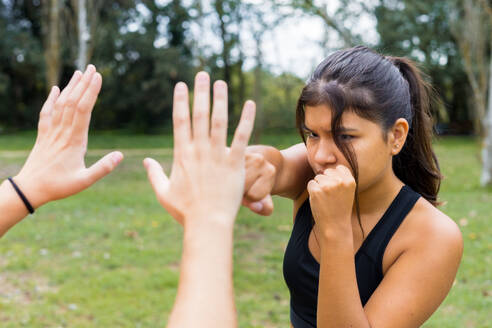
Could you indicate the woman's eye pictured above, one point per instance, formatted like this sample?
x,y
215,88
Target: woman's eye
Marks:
x,y
346,137
310,135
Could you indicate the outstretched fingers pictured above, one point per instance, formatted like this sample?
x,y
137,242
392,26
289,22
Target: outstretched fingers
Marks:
x,y
75,96
181,118
201,109
157,177
60,103
82,118
45,114
218,132
243,133
102,167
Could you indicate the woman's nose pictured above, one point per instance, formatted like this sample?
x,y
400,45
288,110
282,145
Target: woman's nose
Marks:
x,y
325,154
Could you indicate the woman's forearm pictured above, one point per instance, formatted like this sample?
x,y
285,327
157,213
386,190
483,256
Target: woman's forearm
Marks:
x,y
339,302
292,169
274,157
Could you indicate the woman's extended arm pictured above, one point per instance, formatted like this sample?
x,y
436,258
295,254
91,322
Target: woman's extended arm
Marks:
x,y
204,194
273,172
55,167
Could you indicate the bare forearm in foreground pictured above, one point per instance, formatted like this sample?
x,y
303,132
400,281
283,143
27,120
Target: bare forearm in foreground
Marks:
x,y
205,283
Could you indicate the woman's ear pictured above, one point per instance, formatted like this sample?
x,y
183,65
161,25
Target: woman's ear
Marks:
x,y
397,135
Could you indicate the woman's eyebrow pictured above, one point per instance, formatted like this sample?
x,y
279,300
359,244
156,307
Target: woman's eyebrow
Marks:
x,y
342,129
304,127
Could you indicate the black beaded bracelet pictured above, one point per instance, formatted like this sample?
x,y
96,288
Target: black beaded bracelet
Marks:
x,y
22,196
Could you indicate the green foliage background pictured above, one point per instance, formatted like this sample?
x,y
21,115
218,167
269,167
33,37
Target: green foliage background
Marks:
x,y
142,48
109,257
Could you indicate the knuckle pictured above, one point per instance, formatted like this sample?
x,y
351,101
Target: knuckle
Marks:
x,y
71,102
258,159
82,107
242,137
253,196
326,187
200,114
350,183
59,104
218,123
270,170
107,167
180,120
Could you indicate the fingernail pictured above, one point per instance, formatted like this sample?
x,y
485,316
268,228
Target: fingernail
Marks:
x,y
257,206
146,163
180,87
116,158
202,77
76,75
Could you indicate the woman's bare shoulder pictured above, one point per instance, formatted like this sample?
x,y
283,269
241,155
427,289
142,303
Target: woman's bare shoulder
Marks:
x,y
426,226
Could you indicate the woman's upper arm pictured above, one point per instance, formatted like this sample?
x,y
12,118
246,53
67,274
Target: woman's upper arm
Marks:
x,y
419,280
295,173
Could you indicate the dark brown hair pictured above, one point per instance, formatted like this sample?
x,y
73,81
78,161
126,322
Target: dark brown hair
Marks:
x,y
380,89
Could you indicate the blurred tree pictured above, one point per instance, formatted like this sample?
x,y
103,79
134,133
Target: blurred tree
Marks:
x,y
83,33
258,21
141,59
144,47
22,83
333,20
229,16
280,95
421,30
471,28
82,17
486,178
51,25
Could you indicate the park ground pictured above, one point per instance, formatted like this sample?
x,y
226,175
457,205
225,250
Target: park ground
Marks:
x,y
109,256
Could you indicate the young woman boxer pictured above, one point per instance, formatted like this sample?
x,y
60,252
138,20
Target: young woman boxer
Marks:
x,y
369,248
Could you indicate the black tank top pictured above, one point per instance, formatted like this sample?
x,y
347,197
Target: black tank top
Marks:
x,y
301,270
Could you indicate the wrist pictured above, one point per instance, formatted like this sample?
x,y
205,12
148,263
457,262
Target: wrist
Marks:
x,y
341,235
30,190
207,237
9,196
211,222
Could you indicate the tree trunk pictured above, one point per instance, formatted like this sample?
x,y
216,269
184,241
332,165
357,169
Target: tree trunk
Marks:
x,y
486,178
241,85
471,34
52,43
259,121
225,51
83,34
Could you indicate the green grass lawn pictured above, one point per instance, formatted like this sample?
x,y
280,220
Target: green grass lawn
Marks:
x,y
109,257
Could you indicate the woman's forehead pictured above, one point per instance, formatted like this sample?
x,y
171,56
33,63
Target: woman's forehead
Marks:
x,y
320,116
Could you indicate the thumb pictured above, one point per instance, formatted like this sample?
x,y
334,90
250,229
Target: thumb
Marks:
x,y
104,166
157,177
263,207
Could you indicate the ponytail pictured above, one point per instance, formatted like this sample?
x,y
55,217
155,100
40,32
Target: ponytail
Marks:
x,y
416,164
